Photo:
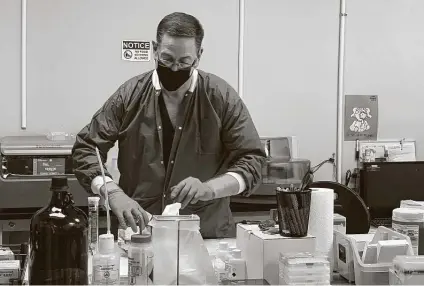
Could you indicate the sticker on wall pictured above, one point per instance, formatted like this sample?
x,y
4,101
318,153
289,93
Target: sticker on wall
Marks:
x,y
136,51
361,117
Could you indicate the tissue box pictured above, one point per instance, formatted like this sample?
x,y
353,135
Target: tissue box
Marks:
x,y
262,251
6,253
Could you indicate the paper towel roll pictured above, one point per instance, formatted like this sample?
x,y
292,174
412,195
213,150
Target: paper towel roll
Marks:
x,y
321,220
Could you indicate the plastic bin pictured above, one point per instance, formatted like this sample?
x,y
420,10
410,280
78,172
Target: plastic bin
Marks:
x,y
378,273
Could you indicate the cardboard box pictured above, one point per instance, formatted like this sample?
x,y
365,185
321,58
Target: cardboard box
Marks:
x,y
262,251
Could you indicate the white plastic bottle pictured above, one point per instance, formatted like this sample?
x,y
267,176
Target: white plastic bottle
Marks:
x,y
236,266
230,250
106,262
140,259
223,251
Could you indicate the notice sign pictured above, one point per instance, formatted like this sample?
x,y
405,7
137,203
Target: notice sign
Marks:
x,y
361,117
136,51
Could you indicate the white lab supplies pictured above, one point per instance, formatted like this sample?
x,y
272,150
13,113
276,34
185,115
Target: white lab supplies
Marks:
x,y
387,250
304,269
339,224
93,223
344,253
410,221
236,266
321,219
261,250
140,259
172,209
407,270
223,251
410,204
9,270
106,262
370,254
375,273
180,254
6,253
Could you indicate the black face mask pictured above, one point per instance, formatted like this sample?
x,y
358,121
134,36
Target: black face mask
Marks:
x,y
172,80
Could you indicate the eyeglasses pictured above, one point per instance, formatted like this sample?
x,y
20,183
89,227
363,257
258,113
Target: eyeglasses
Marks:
x,y
169,64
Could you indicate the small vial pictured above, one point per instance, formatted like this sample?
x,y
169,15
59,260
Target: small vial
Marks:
x,y
106,262
93,223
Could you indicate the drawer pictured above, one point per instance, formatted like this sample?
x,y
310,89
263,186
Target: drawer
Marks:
x,y
15,225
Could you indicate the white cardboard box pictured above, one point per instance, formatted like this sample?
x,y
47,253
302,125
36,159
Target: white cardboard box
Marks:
x,y
261,251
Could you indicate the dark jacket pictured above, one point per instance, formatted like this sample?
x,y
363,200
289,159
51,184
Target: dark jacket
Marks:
x,y
217,136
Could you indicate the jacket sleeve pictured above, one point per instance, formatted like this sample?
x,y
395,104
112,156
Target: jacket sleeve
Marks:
x,y
242,142
102,132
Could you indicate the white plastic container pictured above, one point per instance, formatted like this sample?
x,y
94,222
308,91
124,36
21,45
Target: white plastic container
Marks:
x,y
140,259
410,222
236,266
412,204
407,270
223,251
376,273
106,262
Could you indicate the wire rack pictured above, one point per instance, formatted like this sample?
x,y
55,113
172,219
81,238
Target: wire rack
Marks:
x,y
21,253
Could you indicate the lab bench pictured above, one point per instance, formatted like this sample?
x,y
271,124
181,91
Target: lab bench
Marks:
x,y
211,245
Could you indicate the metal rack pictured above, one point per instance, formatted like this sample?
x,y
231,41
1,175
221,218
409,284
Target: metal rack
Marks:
x,y
21,252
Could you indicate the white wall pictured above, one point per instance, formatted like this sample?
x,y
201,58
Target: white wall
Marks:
x,y
291,73
385,56
74,57
10,66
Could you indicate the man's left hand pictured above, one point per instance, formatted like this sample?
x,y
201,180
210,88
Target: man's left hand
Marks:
x,y
191,190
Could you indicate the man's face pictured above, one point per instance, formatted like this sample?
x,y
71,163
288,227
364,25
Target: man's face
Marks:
x,y
177,53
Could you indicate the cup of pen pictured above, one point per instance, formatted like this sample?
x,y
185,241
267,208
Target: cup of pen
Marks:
x,y
293,208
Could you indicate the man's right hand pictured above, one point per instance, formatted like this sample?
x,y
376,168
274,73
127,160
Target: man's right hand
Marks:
x,y
128,211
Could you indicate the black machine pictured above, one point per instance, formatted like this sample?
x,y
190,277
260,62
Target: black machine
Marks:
x,y
384,184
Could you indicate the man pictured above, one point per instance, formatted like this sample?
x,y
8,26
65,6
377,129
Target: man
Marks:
x,y
184,136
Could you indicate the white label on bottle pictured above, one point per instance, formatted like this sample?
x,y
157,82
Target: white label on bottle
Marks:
x,y
410,230
106,275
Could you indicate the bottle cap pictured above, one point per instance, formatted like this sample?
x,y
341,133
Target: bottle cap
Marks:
x,y
223,245
236,253
141,238
106,243
59,182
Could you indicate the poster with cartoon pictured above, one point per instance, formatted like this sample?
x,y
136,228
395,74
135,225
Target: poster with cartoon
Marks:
x,y
361,117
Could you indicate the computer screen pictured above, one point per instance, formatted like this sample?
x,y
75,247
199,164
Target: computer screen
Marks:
x,y
385,184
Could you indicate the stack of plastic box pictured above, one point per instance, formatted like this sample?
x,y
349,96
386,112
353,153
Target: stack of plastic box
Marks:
x,y
304,269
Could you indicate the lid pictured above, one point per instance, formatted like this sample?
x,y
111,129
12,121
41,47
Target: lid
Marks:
x,y
232,247
59,182
236,253
223,245
409,263
141,238
407,213
106,243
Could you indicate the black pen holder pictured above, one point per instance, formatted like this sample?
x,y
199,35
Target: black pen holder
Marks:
x,y
293,210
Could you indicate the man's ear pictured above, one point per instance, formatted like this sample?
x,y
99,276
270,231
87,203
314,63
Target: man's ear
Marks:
x,y
199,56
155,46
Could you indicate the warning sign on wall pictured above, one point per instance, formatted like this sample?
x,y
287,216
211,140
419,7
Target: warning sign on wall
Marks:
x,y
136,51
